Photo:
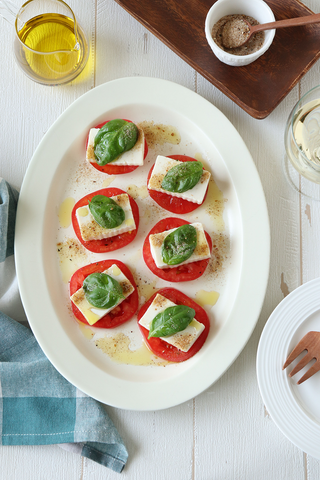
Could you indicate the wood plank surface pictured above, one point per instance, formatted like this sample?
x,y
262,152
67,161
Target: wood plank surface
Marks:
x,y
225,433
257,88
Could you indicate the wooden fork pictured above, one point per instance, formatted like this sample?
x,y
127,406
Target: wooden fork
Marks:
x,y
311,343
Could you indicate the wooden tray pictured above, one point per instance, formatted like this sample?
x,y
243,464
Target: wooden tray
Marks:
x,y
257,88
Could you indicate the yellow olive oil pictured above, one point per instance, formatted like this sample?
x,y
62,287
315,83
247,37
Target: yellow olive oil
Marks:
x,y
118,349
65,211
54,52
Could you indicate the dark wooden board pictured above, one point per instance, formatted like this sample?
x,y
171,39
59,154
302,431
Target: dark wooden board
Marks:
x,y
257,88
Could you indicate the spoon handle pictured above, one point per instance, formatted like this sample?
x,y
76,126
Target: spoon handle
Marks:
x,y
290,22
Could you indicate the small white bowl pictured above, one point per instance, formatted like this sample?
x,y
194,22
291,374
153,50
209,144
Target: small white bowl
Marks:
x,y
257,9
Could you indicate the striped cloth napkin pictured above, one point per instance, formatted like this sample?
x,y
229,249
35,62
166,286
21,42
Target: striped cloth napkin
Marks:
x,y
37,405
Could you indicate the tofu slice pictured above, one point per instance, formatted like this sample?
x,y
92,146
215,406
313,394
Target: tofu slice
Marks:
x,y
91,230
182,340
133,157
93,314
201,252
161,168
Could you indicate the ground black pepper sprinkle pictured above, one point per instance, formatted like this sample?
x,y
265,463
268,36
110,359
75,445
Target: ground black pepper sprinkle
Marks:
x,y
253,45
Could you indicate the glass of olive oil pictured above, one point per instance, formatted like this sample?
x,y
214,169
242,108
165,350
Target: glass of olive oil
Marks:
x,y
50,46
302,143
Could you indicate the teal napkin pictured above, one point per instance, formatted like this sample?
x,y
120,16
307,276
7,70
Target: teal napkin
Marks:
x,y
8,207
37,405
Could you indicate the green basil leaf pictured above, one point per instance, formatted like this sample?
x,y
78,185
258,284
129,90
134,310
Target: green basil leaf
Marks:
x,y
101,290
172,320
106,211
182,177
179,245
114,138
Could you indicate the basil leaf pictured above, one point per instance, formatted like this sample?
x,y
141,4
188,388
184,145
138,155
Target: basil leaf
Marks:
x,y
182,177
106,212
114,138
179,245
172,320
101,290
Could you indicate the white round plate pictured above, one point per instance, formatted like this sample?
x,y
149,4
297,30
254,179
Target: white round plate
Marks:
x,y
295,409
54,174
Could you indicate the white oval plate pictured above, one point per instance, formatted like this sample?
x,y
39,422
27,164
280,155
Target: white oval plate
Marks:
x,y
295,409
242,287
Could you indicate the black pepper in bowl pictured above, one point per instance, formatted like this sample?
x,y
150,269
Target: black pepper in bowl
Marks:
x,y
236,29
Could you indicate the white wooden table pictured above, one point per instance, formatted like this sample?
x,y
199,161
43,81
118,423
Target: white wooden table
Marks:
x,y
226,432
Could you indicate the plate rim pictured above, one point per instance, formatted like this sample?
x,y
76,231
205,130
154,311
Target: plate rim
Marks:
x,y
255,226
288,416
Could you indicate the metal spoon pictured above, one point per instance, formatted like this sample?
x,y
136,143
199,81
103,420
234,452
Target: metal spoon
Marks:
x,y
231,41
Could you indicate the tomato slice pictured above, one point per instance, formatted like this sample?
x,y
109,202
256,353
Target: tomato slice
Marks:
x,y
169,202
116,169
112,243
163,349
182,273
120,314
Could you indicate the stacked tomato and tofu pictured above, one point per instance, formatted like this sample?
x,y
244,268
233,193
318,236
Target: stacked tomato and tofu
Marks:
x,y
104,294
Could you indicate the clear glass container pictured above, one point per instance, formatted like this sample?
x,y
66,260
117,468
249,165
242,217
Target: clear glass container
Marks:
x,y
302,145
49,45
